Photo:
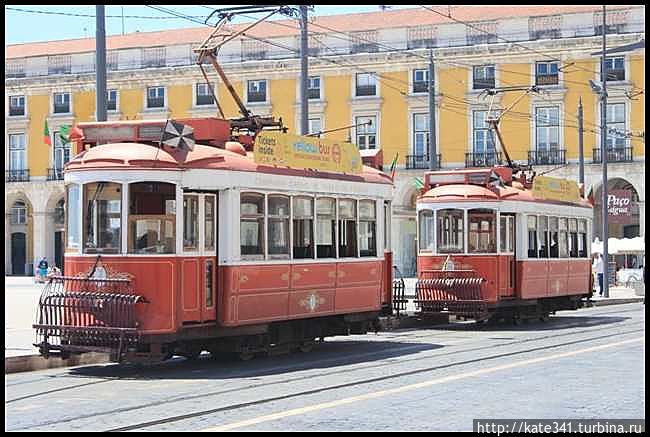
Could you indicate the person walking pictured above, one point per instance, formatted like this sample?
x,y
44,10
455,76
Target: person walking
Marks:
x,y
42,269
597,267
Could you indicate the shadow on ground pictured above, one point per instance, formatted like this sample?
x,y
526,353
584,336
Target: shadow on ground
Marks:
x,y
326,355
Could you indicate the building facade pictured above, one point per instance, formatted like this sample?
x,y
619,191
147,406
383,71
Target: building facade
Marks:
x,y
362,67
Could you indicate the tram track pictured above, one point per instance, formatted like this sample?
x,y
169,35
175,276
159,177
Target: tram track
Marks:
x,y
179,418
409,336
383,363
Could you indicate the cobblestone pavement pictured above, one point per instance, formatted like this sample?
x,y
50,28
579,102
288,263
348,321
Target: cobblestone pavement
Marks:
x,y
580,364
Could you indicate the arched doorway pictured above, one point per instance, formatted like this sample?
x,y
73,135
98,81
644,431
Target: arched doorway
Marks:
x,y
625,227
18,253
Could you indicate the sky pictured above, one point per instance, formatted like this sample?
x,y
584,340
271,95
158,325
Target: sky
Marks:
x,y
20,26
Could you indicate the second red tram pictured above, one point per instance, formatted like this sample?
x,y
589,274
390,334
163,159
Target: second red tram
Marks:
x,y
487,246
176,251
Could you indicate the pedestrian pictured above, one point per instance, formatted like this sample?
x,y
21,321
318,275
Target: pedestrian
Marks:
x,y
42,269
597,267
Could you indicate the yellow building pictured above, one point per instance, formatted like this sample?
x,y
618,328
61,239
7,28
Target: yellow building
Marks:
x,y
371,66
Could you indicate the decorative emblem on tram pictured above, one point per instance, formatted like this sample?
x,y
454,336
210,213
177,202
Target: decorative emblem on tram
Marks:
x,y
312,302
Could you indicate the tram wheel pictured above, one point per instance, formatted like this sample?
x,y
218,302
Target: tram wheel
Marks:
x,y
306,346
245,355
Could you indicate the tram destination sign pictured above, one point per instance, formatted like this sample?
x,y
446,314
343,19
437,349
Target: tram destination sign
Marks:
x,y
295,151
548,188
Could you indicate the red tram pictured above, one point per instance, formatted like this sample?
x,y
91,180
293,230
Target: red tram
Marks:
x,y
176,251
488,246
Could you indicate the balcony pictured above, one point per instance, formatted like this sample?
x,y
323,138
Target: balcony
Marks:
x,y
547,157
480,84
313,93
420,87
616,74
16,111
482,159
17,175
366,90
61,108
54,174
254,97
414,162
617,154
546,79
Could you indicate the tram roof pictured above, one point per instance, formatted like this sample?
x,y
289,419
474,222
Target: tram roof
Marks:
x,y
468,192
139,156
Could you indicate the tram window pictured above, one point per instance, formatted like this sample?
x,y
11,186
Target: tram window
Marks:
x,y
367,228
190,223
251,235
553,237
451,238
152,218
347,228
582,238
573,238
325,228
427,228
101,215
532,236
278,232
507,233
563,238
482,231
387,226
208,284
542,236
73,204
303,225
209,222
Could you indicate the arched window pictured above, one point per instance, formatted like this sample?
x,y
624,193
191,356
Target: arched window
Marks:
x,y
59,212
19,213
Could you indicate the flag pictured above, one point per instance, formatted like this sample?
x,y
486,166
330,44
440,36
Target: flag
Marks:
x,y
46,135
590,196
178,135
418,183
392,167
64,133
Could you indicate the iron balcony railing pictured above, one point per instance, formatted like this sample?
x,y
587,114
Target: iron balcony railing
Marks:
x,y
617,154
547,157
17,175
420,162
487,159
54,174
546,79
366,90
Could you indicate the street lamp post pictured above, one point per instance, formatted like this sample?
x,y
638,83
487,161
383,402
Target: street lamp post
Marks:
x,y
603,154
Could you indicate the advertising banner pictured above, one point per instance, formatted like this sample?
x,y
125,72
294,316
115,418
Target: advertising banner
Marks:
x,y
277,148
549,188
619,206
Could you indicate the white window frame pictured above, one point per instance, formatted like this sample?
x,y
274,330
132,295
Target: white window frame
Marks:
x,y
484,67
375,78
18,217
146,98
320,88
548,128
117,100
310,128
17,96
195,96
54,95
267,95
375,125
11,149
413,82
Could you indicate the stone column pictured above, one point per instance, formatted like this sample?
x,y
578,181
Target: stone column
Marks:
x,y
641,218
40,235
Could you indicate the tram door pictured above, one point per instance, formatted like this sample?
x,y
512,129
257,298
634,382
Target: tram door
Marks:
x,y
507,267
199,262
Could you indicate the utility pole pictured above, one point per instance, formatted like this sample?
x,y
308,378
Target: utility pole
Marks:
x,y
100,63
433,164
603,151
122,20
581,153
304,74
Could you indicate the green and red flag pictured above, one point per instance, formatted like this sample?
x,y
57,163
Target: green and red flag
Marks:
x,y
64,133
392,167
418,183
46,135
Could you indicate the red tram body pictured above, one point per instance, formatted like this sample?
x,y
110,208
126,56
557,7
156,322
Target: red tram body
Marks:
x,y
222,254
487,246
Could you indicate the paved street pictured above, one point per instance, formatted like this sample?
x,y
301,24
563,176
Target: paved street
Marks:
x,y
582,364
